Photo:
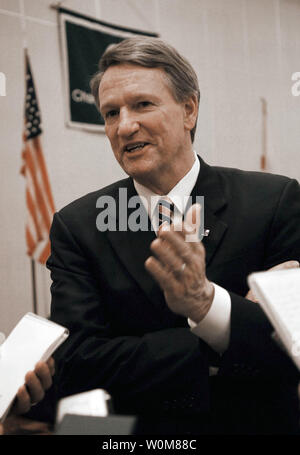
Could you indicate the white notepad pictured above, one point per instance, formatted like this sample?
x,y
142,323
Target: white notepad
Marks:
x,y
91,403
33,339
278,293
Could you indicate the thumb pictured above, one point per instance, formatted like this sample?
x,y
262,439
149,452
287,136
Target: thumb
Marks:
x,y
286,265
192,223
193,216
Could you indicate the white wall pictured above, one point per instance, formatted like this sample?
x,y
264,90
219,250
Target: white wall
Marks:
x,y
242,50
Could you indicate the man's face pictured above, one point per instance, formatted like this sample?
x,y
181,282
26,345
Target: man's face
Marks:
x,y
148,130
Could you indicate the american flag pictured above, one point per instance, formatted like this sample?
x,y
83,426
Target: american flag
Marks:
x,y
39,200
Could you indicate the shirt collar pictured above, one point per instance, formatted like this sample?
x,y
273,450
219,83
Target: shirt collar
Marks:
x,y
179,193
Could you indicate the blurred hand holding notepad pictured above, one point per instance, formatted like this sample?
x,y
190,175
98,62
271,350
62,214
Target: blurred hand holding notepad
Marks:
x,y
33,339
278,293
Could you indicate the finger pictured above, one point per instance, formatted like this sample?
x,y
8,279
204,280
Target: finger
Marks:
x,y
193,216
51,365
189,229
177,243
183,249
286,265
250,296
34,387
22,403
192,223
43,373
179,227
159,273
166,255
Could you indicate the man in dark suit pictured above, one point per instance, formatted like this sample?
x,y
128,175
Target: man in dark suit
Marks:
x,y
158,321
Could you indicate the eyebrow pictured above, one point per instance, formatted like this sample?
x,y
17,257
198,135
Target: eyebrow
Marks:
x,y
107,106
110,105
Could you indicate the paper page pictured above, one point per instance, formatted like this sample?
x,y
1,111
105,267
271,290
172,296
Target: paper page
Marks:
x,y
33,339
91,403
278,292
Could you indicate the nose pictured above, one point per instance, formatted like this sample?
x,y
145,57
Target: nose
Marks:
x,y
128,123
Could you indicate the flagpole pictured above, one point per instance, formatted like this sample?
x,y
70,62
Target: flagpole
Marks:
x,y
33,280
24,39
23,23
263,158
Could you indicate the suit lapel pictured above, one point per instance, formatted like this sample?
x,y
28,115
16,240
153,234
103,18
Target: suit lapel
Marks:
x,y
217,230
210,186
133,248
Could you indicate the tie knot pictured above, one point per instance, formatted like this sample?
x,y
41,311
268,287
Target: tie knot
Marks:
x,y
165,210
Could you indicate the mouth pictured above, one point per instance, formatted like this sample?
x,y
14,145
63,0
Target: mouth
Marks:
x,y
135,147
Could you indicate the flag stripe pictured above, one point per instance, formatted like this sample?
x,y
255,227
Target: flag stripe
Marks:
x,y
35,171
44,199
39,197
45,253
33,214
42,228
43,169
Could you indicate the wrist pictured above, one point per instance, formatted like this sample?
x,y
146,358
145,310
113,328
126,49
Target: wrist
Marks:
x,y
205,299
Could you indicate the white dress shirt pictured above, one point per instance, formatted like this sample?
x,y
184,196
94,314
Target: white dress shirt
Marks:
x,y
214,328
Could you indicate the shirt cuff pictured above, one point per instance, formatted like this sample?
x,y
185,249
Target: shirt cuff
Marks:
x,y
214,328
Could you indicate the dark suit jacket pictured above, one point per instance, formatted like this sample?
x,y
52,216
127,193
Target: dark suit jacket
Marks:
x,y
126,340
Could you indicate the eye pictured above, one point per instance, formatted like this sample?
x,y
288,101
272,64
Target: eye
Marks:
x,y
111,113
144,104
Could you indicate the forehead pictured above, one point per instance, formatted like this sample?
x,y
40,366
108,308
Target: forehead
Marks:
x,y
127,79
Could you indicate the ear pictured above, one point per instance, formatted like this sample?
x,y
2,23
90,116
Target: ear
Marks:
x,y
190,107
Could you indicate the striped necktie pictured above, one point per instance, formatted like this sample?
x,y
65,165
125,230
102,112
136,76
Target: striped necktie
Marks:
x,y
165,210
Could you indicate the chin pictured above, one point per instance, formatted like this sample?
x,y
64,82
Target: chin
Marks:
x,y
138,173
